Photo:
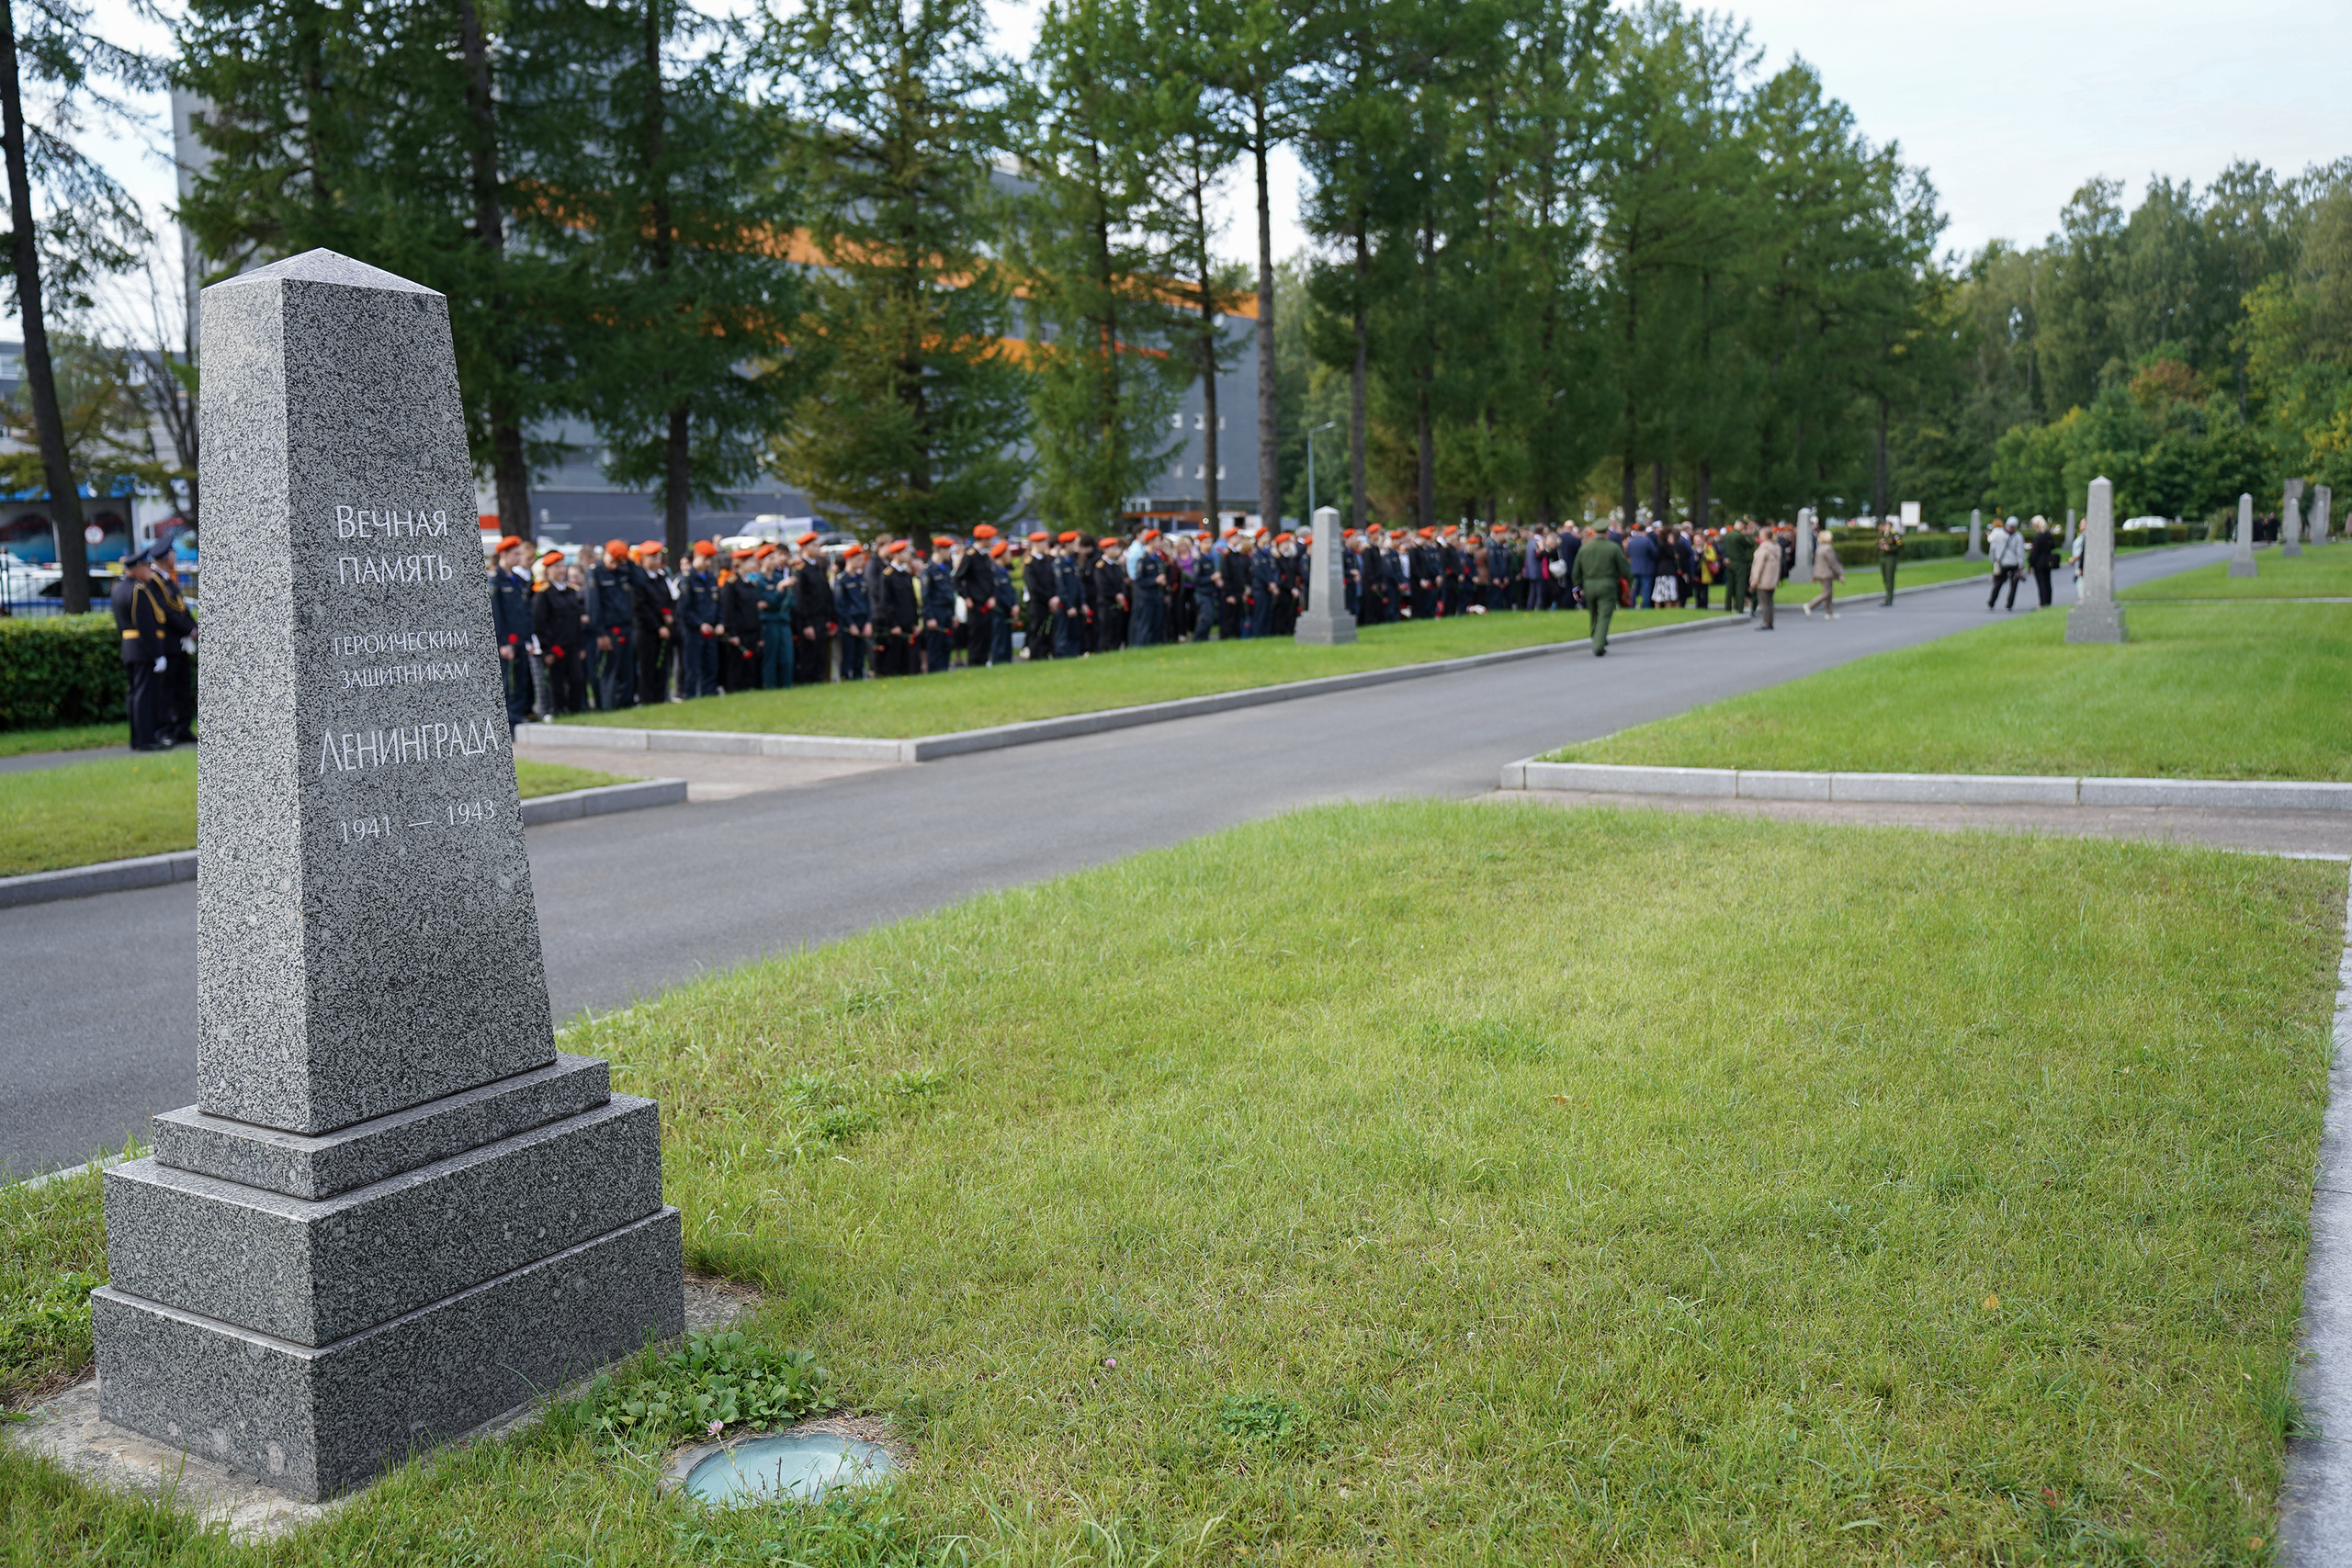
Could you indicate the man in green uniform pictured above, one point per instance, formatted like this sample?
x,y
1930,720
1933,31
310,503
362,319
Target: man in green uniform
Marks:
x,y
776,599
1890,550
1600,566
1738,550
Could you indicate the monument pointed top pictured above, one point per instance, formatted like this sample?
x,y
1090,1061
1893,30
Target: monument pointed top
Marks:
x,y
323,265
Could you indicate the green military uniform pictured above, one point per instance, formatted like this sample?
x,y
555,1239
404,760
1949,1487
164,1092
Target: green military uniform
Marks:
x,y
1738,550
1599,568
776,599
1890,550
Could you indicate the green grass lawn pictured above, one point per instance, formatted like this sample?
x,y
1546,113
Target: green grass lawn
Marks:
x,y
975,699
121,808
1494,1184
2322,571
71,738
2239,692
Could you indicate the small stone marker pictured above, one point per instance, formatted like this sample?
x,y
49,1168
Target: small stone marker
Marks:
x,y
2067,540
395,1212
2290,520
2321,497
1976,537
1804,544
1327,621
2242,558
2096,616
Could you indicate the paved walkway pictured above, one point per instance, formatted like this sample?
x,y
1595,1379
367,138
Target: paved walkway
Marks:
x,y
98,1002
35,761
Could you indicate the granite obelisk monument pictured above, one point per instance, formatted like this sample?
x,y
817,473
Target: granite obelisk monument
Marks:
x,y
2242,558
395,1210
1327,619
2322,497
1804,547
2096,616
2290,520
1976,537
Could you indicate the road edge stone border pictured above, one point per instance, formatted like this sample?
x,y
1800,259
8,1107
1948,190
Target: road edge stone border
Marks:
x,y
1936,789
2316,1503
158,871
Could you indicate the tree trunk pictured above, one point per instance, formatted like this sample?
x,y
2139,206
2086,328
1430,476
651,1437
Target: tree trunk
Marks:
x,y
1424,430
1657,493
1705,502
1208,349
1878,491
677,456
56,466
1359,504
1632,498
510,472
1270,488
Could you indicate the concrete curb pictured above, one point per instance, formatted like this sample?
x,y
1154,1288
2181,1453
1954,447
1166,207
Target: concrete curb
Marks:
x,y
929,747
573,804
106,876
157,871
2315,1503
1937,789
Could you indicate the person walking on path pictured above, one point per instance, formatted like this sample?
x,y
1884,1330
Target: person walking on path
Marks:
x,y
1890,551
1828,572
1763,577
2007,552
2041,557
1600,568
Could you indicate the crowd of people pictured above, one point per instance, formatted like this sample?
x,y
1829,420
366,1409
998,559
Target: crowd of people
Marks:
x,y
611,628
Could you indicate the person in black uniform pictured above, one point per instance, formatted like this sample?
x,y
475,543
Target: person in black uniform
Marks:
x,y
816,619
1232,587
1069,599
656,623
1111,598
854,608
138,615
1038,593
178,721
1290,577
939,604
1148,591
696,616
896,610
510,621
560,620
976,585
1001,653
612,612
740,631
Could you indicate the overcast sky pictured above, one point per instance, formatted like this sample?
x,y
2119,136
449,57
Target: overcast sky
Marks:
x,y
2009,105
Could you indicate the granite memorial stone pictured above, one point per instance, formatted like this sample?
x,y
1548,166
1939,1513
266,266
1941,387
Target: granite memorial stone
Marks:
x,y
2096,616
1804,544
395,1210
2322,497
2290,520
1976,537
2242,558
1326,620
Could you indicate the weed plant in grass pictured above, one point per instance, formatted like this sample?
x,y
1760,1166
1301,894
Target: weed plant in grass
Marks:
x,y
1008,693
2320,572
123,806
2234,691
1491,1185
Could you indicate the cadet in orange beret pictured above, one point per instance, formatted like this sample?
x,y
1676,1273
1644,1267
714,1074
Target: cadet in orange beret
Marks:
x,y
975,584
510,620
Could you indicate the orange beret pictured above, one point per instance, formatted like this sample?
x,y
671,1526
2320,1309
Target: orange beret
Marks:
x,y
895,547
1070,536
1281,538
508,543
764,551
1110,541
705,547
615,547
1149,534
942,541
1429,533
997,548
1039,538
550,557
985,531
855,549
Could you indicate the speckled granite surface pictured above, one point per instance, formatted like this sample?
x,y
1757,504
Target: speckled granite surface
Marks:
x,y
365,938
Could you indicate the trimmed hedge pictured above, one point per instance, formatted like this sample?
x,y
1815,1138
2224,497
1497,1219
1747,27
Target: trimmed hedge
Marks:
x,y
57,670
1861,544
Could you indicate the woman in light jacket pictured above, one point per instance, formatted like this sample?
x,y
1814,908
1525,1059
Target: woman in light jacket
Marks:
x,y
1828,573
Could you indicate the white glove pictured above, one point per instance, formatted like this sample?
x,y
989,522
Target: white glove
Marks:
x,y
159,663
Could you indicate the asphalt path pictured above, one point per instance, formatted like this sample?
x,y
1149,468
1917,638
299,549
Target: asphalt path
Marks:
x,y
97,995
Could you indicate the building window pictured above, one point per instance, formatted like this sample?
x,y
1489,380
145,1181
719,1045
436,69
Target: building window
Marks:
x,y
1199,422
1176,421
1200,470
1220,423
1220,471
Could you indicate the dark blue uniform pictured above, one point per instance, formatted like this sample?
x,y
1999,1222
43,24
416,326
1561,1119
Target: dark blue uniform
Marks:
x,y
856,611
611,618
938,616
697,606
510,618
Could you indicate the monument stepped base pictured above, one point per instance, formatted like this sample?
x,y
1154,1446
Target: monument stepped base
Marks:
x,y
314,1421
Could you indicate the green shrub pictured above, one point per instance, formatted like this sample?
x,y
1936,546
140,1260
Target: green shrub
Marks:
x,y
57,670
698,1391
